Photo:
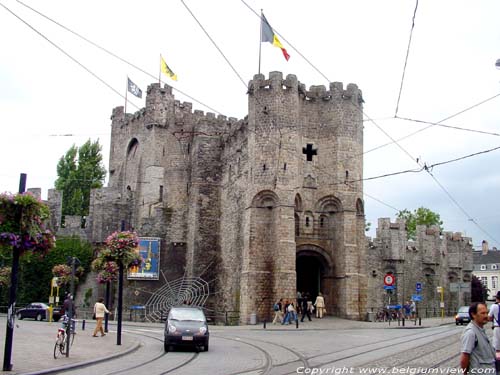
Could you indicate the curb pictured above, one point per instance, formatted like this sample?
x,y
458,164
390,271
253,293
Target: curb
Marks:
x,y
73,366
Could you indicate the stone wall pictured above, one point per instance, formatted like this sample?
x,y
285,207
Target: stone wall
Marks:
x,y
240,202
433,259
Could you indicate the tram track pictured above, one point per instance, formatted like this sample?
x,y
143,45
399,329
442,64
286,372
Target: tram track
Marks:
x,y
289,363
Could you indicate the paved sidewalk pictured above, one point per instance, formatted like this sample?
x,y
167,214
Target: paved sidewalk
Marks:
x,y
33,347
34,341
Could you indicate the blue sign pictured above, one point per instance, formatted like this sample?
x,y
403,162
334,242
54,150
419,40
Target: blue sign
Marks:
x,y
149,269
416,297
389,287
395,307
418,287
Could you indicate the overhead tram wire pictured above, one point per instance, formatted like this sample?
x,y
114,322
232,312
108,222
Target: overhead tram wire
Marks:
x,y
116,56
215,44
80,64
432,124
406,59
69,56
425,167
382,202
445,126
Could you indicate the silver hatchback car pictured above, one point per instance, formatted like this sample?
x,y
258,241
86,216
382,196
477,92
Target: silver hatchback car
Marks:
x,y
186,326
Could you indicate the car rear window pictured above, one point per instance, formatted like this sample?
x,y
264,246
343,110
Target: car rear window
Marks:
x,y
464,309
187,314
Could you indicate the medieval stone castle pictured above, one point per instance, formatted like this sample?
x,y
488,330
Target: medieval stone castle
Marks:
x,y
264,206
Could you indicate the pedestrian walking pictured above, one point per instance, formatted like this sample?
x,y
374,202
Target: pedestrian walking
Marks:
x,y
305,308
278,314
99,311
477,353
413,310
320,306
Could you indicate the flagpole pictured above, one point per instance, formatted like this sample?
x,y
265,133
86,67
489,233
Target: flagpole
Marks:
x,y
260,39
126,91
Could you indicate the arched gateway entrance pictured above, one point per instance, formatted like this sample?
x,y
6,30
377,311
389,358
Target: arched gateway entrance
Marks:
x,y
314,268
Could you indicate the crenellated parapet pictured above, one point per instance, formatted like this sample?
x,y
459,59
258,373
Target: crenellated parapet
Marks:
x,y
275,84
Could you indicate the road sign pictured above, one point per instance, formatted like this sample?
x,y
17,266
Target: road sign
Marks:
x,y
395,307
416,297
418,287
389,287
389,279
439,289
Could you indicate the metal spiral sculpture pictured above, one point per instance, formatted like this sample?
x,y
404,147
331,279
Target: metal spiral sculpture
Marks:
x,y
192,291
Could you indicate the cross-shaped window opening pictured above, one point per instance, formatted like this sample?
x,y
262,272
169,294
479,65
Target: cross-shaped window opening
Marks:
x,y
308,150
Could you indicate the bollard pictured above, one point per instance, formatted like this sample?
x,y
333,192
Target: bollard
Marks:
x,y
403,322
83,325
264,324
296,323
419,321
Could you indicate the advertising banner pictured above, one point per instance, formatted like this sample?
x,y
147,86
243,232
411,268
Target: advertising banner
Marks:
x,y
149,269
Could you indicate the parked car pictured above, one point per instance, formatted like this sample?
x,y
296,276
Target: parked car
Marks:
x,y
462,316
39,311
186,326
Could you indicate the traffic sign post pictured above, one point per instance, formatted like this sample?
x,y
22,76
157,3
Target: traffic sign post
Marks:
x,y
418,287
440,290
389,279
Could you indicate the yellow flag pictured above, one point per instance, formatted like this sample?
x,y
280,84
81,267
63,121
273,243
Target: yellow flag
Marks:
x,y
166,70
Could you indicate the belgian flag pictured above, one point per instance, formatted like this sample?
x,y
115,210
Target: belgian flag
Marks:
x,y
268,35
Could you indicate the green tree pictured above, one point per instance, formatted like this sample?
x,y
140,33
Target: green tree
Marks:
x,y
36,272
479,292
420,216
79,171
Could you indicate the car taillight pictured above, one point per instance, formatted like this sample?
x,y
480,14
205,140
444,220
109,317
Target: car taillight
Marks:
x,y
456,316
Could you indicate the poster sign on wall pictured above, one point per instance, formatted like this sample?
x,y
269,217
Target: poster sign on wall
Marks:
x,y
149,269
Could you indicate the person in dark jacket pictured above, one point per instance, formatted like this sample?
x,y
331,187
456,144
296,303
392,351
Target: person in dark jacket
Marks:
x,y
68,302
305,309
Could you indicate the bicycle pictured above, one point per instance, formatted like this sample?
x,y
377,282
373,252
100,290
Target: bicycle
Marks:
x,y
61,340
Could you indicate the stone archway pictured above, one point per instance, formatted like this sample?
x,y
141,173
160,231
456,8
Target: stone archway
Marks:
x,y
314,272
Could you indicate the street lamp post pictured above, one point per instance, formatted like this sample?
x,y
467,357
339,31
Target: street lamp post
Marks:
x,y
74,261
11,313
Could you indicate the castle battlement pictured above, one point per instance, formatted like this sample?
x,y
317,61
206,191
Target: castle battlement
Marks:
x,y
315,92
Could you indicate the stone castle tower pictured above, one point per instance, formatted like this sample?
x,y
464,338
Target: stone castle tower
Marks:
x,y
260,207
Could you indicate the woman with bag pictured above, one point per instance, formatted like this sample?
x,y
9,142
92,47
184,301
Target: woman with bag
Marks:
x,y
99,311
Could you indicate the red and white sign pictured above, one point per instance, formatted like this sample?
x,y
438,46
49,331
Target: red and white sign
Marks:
x,y
389,279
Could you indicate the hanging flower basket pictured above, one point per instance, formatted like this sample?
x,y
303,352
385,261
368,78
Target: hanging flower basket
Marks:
x,y
108,273
22,218
63,274
121,247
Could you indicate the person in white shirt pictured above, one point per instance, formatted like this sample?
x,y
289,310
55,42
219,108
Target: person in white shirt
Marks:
x,y
99,311
494,317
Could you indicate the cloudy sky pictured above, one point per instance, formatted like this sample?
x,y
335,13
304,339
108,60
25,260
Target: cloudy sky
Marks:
x,y
58,90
